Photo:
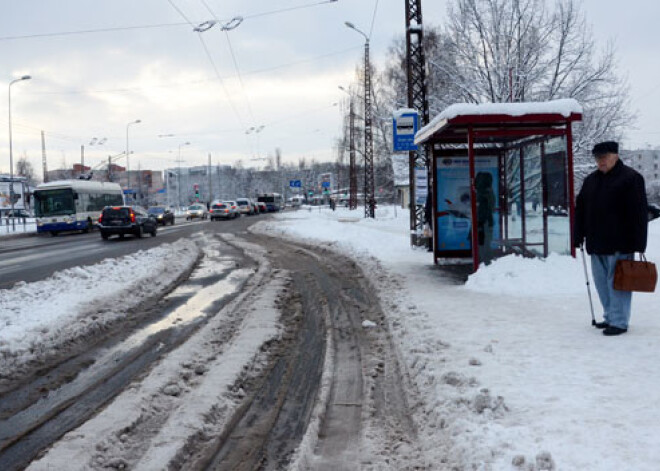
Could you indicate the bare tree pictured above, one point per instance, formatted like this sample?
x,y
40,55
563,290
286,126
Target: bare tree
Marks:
x,y
520,50
25,169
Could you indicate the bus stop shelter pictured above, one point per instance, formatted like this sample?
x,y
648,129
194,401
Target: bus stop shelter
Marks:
x,y
505,169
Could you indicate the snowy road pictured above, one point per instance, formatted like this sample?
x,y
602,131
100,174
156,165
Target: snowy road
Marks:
x,y
266,355
32,258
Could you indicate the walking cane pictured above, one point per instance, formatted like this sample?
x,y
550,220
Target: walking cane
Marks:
x,y
586,276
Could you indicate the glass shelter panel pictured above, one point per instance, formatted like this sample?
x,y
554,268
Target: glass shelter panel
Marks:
x,y
556,201
533,199
512,220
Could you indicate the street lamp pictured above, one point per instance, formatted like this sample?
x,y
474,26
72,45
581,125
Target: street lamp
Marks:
x,y
11,154
128,166
178,184
369,190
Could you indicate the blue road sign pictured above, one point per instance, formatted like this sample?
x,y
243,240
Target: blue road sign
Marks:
x,y
325,184
404,127
295,183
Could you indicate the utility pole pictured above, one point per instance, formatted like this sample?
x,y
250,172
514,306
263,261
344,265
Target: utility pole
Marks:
x,y
210,182
415,65
43,156
82,159
369,190
352,184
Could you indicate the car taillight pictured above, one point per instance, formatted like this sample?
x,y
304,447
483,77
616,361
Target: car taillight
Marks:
x,y
132,216
226,210
100,218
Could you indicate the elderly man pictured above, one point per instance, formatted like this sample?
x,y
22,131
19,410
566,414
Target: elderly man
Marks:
x,y
611,214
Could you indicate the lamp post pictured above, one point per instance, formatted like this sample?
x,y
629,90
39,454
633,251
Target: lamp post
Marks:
x,y
369,190
128,166
11,154
178,185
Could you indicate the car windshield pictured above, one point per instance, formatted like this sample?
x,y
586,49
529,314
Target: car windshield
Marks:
x,y
156,210
242,203
195,207
219,206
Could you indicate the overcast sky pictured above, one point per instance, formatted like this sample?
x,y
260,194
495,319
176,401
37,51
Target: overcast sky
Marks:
x,y
280,69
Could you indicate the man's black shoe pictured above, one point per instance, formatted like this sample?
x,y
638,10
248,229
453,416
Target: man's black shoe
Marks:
x,y
611,330
601,325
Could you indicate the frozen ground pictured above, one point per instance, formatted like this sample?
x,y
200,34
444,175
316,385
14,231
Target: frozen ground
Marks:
x,y
506,371
509,371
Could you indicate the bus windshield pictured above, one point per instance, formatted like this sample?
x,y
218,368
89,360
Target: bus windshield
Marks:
x,y
266,199
54,202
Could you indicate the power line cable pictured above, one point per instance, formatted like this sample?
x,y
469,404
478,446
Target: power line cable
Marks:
x,y
287,65
234,60
158,25
373,20
210,57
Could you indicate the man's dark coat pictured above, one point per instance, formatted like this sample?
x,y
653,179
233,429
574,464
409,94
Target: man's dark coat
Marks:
x,y
611,213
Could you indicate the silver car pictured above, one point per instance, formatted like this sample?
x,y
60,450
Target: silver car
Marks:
x,y
196,211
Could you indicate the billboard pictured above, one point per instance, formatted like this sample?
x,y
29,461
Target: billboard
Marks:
x,y
453,200
19,196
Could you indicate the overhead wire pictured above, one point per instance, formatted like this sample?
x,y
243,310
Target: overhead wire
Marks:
x,y
213,64
157,25
286,65
234,60
373,20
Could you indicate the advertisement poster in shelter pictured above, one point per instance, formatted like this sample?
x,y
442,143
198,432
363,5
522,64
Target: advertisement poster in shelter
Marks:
x,y
453,204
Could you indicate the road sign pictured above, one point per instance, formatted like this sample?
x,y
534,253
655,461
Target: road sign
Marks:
x,y
325,184
404,127
295,183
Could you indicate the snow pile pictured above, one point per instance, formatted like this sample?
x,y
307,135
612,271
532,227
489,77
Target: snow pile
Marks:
x,y
515,275
46,318
505,370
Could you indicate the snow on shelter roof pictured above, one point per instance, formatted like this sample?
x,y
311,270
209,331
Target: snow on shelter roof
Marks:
x,y
565,107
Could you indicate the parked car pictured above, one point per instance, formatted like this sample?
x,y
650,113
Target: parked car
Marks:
x,y
262,207
222,211
162,214
18,213
122,220
196,211
245,206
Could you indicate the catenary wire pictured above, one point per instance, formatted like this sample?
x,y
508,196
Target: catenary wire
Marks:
x,y
154,26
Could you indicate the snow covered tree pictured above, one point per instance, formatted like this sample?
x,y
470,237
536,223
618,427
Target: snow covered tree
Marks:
x,y
519,50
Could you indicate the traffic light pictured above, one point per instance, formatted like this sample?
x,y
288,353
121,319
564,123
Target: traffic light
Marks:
x,y
197,192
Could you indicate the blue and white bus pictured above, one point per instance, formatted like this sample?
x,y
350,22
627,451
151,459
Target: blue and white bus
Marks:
x,y
273,201
73,205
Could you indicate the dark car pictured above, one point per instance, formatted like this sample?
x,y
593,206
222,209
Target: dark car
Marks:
x,y
262,207
162,214
122,220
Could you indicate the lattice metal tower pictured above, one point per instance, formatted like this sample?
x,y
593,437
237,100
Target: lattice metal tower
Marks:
x,y
369,190
416,68
352,199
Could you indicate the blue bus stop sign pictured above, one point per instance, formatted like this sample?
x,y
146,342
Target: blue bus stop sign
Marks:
x,y
404,127
295,184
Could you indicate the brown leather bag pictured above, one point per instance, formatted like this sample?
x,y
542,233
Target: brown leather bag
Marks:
x,y
635,275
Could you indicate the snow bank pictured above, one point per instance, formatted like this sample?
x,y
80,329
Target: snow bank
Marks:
x,y
45,318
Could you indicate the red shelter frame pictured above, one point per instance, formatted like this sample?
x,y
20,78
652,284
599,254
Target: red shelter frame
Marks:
x,y
475,130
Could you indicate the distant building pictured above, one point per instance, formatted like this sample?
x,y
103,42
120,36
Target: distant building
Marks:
x,y
646,162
